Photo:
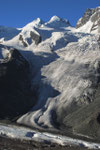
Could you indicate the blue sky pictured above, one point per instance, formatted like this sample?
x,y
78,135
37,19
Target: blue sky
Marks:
x,y
17,13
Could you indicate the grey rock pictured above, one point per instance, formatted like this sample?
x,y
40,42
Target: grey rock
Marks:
x,y
22,40
28,41
94,16
85,18
35,37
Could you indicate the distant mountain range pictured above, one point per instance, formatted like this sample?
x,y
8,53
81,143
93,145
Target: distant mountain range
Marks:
x,y
50,75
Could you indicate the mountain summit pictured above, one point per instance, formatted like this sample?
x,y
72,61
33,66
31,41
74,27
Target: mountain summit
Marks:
x,y
57,22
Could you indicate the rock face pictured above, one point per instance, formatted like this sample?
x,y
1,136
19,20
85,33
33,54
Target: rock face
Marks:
x,y
16,96
33,38
22,40
85,18
92,15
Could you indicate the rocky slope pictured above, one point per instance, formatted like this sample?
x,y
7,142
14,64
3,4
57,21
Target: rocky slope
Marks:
x,y
16,97
90,21
65,73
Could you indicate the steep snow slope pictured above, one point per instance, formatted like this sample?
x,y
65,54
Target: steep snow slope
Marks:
x,y
90,22
27,36
66,75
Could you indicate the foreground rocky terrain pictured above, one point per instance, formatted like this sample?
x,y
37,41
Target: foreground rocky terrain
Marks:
x,y
9,144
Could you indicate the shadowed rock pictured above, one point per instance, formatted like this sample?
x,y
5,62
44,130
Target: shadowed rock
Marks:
x,y
92,15
22,40
28,41
16,97
35,37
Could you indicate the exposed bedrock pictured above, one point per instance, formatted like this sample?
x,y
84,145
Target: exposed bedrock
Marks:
x,y
92,15
33,38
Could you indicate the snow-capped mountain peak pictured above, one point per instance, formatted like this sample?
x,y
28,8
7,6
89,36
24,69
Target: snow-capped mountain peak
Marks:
x,y
54,18
90,22
57,22
35,23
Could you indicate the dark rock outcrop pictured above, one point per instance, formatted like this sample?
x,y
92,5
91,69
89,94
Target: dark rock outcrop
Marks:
x,y
16,97
22,40
35,37
29,40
